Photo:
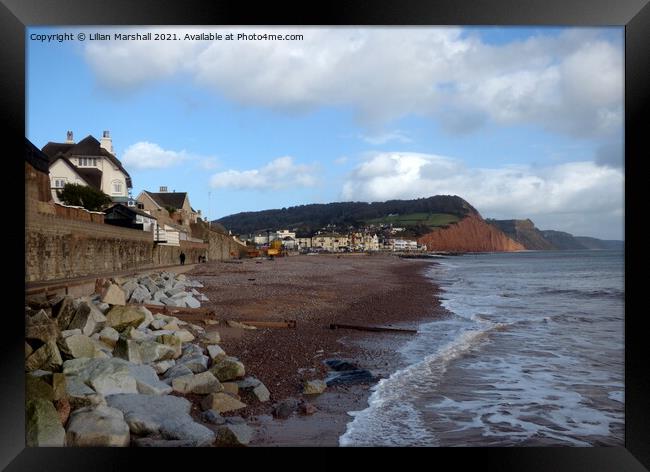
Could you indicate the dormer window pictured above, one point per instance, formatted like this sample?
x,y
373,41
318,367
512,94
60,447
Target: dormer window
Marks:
x,y
87,162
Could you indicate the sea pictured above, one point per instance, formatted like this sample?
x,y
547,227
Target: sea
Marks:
x,y
530,353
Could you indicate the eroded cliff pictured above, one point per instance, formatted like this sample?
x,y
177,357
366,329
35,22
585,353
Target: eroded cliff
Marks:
x,y
471,234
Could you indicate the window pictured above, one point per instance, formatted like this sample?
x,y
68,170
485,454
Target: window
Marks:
x,y
59,183
87,162
117,187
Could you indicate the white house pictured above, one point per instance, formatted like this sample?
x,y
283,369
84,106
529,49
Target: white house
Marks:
x,y
88,162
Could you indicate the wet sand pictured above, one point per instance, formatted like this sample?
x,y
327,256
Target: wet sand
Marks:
x,y
315,291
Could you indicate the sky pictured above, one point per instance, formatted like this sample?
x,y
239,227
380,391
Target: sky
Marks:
x,y
520,122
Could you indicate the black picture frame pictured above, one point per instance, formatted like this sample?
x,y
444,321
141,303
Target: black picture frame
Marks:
x,y
16,15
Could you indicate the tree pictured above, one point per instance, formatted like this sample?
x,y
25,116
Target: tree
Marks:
x,y
83,195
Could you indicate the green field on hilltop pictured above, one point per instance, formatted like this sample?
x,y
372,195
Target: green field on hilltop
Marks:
x,y
412,219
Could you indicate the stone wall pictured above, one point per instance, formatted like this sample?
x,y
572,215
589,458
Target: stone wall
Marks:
x,y
223,247
58,248
170,255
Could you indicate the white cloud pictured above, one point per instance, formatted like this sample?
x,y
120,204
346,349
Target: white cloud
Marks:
x,y
341,160
279,173
389,136
146,155
580,197
209,163
572,83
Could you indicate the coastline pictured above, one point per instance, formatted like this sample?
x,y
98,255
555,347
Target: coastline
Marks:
x,y
316,291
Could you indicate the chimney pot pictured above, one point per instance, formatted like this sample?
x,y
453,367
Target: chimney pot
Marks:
x,y
163,189
106,134
69,137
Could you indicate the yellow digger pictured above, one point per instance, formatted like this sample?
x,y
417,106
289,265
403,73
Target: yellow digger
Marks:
x,y
275,248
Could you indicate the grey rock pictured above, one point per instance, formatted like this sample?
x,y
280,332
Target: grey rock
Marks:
x,y
98,426
234,435
152,442
213,417
166,415
140,295
176,371
105,376
285,408
88,319
248,383
192,302
147,381
43,425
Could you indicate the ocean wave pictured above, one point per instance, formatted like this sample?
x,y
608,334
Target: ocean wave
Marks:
x,y
602,293
391,419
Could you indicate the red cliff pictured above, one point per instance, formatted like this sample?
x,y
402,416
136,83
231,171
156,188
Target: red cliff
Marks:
x,y
471,234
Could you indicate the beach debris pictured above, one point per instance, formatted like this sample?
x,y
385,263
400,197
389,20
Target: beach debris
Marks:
x,y
347,373
314,387
372,328
269,324
339,365
237,324
350,377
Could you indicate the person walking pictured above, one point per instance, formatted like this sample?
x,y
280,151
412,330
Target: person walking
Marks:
x,y
182,257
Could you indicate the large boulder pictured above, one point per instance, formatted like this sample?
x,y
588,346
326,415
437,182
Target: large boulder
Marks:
x,y
109,336
172,341
81,395
105,376
201,384
148,318
196,363
37,388
140,295
164,415
229,435
184,335
228,368
114,295
46,357
147,381
63,311
88,319
215,352
163,366
76,346
43,426
151,351
128,287
221,402
178,370
41,327
99,426
123,317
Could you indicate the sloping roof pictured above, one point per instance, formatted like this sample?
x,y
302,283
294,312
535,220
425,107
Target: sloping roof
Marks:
x,y
91,175
124,208
89,146
37,158
169,199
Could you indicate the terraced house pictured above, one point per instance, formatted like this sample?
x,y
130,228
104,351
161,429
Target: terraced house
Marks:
x,y
88,162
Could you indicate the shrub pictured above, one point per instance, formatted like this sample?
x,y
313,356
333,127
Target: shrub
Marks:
x,y
85,196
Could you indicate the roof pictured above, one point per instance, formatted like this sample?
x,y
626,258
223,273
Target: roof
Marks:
x,y
91,175
89,146
124,208
168,199
37,158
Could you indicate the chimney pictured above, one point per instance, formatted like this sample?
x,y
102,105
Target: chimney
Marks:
x,y
163,189
106,142
69,139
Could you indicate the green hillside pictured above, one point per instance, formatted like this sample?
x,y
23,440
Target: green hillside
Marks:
x,y
412,219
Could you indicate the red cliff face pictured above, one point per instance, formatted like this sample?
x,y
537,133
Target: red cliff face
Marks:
x,y
471,234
